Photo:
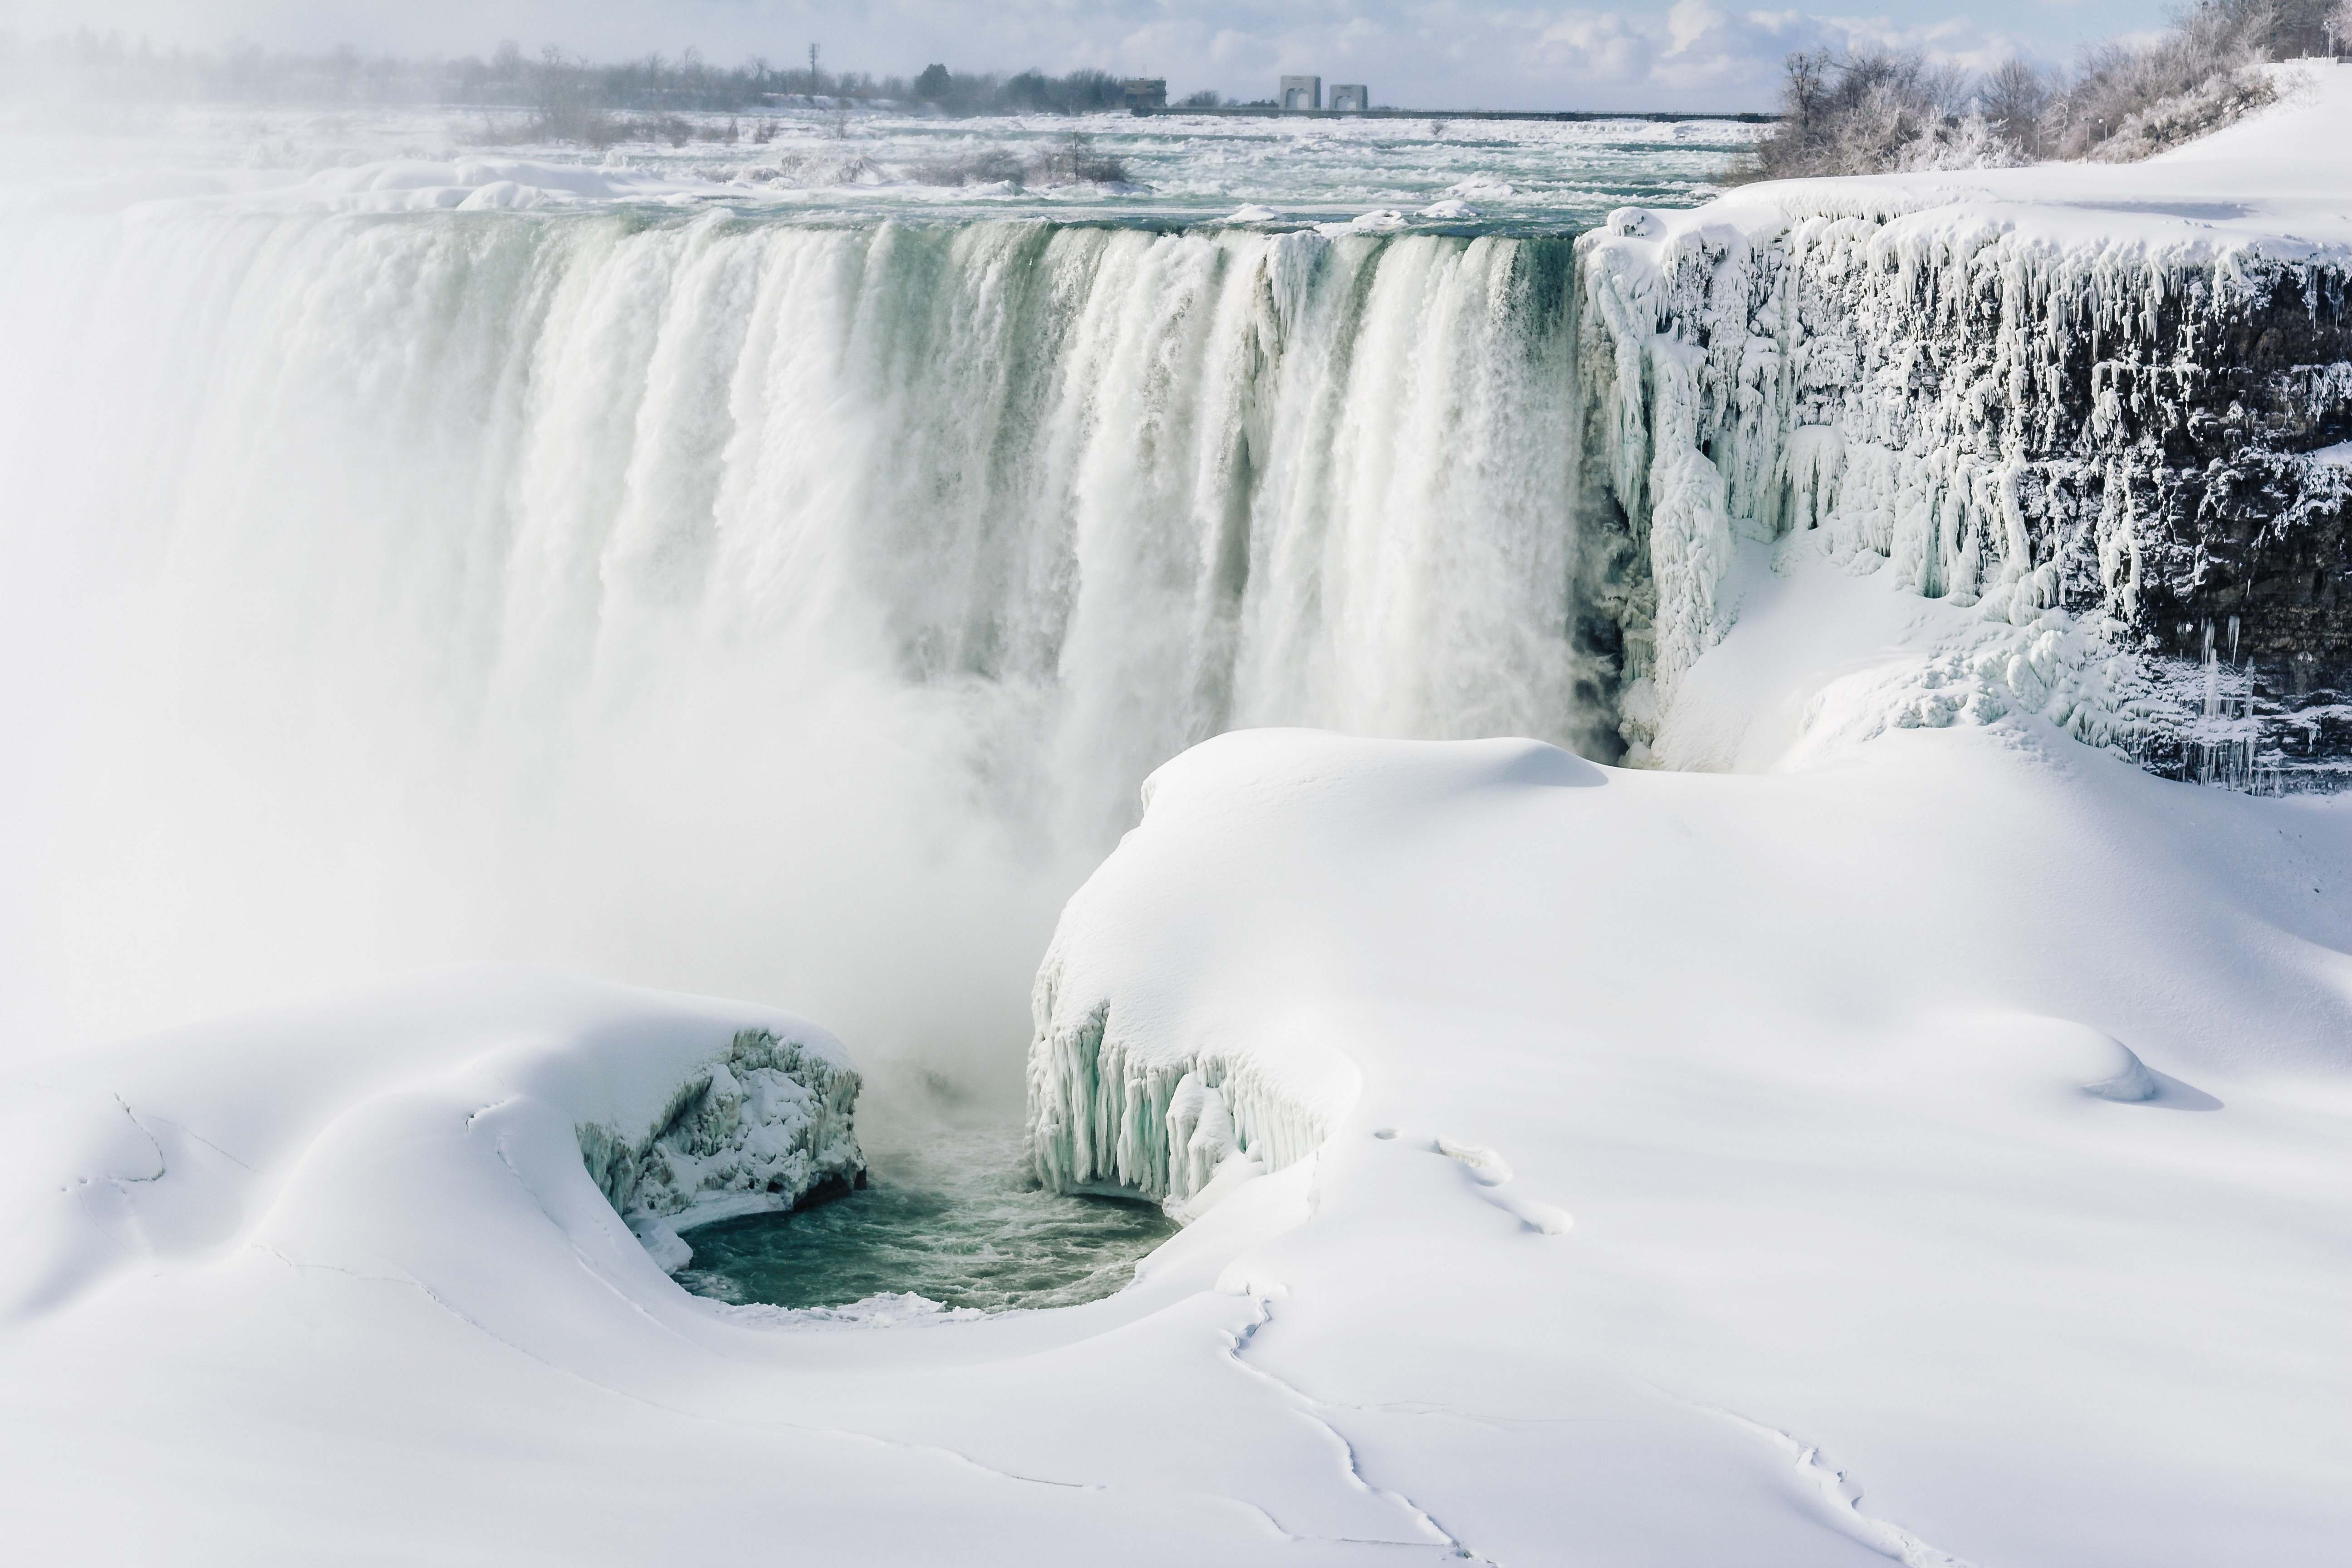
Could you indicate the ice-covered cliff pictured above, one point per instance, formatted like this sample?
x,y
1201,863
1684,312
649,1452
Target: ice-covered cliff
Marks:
x,y
2104,409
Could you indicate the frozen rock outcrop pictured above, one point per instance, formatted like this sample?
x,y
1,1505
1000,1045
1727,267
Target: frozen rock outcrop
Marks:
x,y
769,1125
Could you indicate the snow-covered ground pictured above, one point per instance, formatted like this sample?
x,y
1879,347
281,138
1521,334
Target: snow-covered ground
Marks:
x,y
1919,1145
1938,1150
2283,176
1963,1118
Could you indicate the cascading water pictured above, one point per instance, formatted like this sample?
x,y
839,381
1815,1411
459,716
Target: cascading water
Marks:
x,y
650,570
734,603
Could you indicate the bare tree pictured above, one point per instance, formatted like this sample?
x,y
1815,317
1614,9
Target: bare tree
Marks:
x,y
2012,98
1859,113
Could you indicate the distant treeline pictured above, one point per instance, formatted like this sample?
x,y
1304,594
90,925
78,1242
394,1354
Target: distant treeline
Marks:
x,y
567,94
1869,113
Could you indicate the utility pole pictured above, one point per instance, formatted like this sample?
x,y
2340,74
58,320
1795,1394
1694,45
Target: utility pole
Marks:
x,y
812,70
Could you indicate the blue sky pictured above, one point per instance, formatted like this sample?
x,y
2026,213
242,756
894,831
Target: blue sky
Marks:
x,y
1691,54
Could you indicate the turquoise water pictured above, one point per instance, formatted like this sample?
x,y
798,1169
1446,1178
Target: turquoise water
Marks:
x,y
952,1220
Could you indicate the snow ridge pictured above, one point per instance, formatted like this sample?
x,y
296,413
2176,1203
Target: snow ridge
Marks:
x,y
1842,1497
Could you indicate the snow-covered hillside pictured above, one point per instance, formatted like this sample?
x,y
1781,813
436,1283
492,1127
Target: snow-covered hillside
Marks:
x,y
2109,392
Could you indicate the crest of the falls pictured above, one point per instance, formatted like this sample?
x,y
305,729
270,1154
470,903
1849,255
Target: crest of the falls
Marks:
x,y
584,587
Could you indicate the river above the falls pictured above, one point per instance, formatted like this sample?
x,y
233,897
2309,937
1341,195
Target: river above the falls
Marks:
x,y
1461,176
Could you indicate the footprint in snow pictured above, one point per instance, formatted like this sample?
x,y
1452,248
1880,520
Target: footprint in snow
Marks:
x,y
1490,1172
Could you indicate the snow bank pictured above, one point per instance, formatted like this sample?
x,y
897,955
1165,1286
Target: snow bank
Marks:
x,y
2091,402
210,1139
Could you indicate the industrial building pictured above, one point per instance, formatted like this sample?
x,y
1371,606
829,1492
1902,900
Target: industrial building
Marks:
x,y
1351,97
1302,93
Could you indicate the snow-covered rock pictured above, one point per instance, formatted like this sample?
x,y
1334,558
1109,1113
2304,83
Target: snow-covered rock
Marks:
x,y
768,1125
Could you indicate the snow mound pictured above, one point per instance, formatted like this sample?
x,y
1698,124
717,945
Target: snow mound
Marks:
x,y
422,1113
1829,1067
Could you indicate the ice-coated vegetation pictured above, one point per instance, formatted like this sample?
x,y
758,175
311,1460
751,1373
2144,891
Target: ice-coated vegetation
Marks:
x,y
2127,100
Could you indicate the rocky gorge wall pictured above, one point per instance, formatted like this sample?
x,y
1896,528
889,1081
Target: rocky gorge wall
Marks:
x,y
2118,451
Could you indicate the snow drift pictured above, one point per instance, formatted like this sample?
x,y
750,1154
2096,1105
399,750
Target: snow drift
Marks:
x,y
1798,1105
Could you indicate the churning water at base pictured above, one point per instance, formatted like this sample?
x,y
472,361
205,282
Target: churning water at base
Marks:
x,y
956,1222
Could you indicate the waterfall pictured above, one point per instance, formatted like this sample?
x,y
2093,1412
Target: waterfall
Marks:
x,y
729,603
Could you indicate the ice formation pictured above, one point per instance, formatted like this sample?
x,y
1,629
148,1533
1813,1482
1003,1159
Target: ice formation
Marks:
x,y
1106,1113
